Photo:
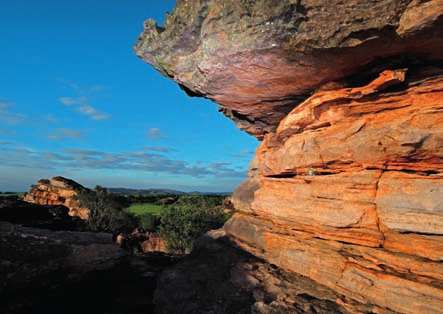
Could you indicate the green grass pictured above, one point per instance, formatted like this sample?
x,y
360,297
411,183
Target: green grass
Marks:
x,y
145,209
18,194
148,213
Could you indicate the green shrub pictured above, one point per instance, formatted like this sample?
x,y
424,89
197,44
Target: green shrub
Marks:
x,y
149,222
180,225
106,212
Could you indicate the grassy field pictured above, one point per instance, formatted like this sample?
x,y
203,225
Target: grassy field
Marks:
x,y
148,213
145,209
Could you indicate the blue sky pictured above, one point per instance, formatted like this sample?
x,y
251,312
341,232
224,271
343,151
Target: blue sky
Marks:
x,y
75,101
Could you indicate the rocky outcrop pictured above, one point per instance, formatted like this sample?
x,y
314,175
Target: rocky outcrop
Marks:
x,y
260,59
56,191
347,98
348,193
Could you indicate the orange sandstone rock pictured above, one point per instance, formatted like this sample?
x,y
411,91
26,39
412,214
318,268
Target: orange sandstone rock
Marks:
x,y
348,192
56,191
347,98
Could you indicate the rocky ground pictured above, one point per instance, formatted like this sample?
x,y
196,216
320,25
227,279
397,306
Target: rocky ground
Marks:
x,y
126,288
46,268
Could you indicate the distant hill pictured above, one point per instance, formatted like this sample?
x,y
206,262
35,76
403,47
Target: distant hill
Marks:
x,y
125,191
211,193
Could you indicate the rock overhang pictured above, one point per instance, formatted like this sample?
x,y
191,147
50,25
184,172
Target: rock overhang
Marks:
x,y
261,59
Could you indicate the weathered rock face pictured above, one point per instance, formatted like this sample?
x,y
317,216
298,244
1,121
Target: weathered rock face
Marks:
x,y
346,186
260,59
56,191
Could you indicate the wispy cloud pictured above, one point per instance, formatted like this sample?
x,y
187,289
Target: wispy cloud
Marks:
x,y
7,114
159,149
64,134
242,154
92,112
7,132
82,102
71,101
155,134
52,118
141,161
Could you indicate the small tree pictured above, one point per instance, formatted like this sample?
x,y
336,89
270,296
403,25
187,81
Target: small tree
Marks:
x,y
105,211
181,225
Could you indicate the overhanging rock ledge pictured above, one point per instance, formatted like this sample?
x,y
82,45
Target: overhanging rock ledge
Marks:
x,y
345,189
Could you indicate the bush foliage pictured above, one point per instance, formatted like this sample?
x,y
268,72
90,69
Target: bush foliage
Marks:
x,y
182,223
106,212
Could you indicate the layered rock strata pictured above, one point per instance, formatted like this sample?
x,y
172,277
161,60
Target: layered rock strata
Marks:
x,y
347,98
260,59
348,192
56,191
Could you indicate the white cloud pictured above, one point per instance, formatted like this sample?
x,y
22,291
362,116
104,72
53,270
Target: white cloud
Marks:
x,y
82,102
143,167
92,112
70,101
86,160
155,134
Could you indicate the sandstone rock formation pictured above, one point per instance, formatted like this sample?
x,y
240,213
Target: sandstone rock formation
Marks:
x,y
56,191
142,242
347,97
260,59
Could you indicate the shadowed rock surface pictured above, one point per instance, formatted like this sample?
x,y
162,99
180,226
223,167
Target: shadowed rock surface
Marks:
x,y
36,259
345,188
221,278
46,266
52,217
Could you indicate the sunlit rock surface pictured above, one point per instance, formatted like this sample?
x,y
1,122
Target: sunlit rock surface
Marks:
x,y
56,191
260,59
347,97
